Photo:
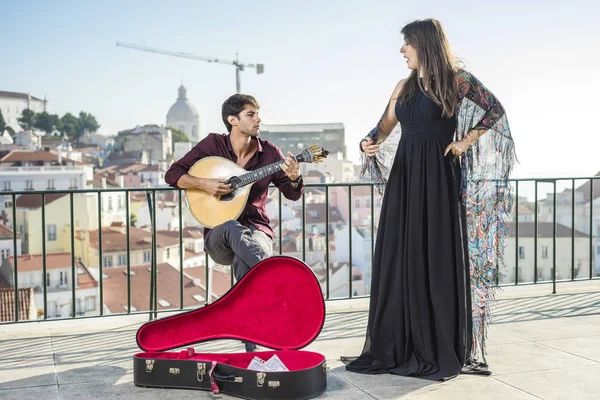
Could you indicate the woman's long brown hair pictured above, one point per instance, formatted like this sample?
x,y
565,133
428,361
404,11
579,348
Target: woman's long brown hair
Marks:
x,y
436,62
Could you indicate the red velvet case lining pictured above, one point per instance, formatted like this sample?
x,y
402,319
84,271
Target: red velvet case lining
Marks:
x,y
277,304
293,360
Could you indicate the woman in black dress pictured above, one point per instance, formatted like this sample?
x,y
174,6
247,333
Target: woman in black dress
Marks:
x,y
440,235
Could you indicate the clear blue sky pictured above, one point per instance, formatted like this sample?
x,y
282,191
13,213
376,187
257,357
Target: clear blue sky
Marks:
x,y
325,61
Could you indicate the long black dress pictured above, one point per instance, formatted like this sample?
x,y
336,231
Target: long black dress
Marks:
x,y
419,316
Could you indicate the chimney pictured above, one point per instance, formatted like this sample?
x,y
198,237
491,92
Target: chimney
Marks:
x,y
59,149
121,180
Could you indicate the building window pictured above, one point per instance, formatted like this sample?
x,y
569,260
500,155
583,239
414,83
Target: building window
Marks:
x,y
47,279
6,253
122,259
51,184
120,207
146,256
73,183
168,253
369,202
6,186
357,203
110,203
51,232
544,251
108,261
90,303
63,278
28,185
521,252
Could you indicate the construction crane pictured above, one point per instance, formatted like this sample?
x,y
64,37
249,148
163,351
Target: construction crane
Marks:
x,y
260,68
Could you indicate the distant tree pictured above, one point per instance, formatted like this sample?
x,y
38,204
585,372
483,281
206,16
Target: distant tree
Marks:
x,y
27,119
2,123
132,220
86,122
70,125
47,122
177,136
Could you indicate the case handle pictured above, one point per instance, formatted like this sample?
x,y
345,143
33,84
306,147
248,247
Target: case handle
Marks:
x,y
214,377
228,378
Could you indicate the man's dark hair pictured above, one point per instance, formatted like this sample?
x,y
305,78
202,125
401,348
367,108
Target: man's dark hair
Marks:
x,y
234,105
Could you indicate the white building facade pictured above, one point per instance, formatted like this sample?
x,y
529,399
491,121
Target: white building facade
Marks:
x,y
12,105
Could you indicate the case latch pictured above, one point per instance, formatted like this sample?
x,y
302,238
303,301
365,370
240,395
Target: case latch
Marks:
x,y
260,379
149,365
200,371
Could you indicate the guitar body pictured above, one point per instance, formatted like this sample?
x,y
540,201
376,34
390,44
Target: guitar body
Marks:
x,y
211,210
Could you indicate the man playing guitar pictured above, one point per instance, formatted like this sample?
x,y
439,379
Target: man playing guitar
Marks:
x,y
248,240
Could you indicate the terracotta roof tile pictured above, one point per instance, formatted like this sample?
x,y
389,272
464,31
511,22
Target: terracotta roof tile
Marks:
x,y
221,280
26,304
32,156
139,239
17,95
5,233
34,262
315,214
34,201
115,288
527,229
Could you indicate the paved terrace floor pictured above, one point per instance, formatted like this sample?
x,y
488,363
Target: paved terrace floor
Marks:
x,y
541,346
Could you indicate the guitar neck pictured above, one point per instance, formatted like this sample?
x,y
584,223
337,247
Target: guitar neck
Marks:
x,y
257,174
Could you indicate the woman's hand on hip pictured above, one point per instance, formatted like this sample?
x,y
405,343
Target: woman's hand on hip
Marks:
x,y
457,148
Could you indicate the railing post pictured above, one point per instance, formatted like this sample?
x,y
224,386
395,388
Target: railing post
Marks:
x,y
372,234
535,235
181,249
127,233
554,241
152,283
154,265
44,271
591,227
15,256
280,224
327,255
517,236
100,260
73,273
304,227
207,299
573,229
350,241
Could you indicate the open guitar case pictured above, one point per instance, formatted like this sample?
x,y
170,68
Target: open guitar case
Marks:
x,y
278,304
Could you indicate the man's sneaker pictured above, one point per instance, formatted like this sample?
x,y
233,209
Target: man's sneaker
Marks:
x,y
250,347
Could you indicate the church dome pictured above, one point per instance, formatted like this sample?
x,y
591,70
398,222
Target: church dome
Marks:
x,y
183,109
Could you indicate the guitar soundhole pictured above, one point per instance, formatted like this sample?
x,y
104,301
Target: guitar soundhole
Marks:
x,y
228,196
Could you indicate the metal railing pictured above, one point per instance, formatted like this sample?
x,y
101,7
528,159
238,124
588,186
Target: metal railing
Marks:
x,y
151,199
